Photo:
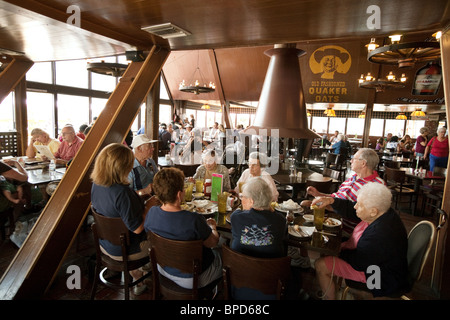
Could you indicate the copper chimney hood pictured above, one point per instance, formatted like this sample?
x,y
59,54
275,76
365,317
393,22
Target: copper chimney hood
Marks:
x,y
281,109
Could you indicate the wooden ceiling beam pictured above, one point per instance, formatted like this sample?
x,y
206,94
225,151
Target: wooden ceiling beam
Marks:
x,y
13,74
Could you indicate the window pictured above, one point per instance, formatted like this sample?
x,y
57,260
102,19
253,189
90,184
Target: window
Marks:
x,y
163,91
7,113
72,73
355,126
97,106
40,72
40,112
376,127
396,127
337,124
210,119
165,114
200,121
243,119
73,110
413,127
320,124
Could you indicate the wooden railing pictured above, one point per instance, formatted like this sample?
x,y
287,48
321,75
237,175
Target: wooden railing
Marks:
x,y
8,144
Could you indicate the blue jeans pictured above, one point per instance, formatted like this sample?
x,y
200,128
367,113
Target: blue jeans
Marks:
x,y
437,162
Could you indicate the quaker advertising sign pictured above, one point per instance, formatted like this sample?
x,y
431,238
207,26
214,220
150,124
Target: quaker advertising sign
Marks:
x,y
330,73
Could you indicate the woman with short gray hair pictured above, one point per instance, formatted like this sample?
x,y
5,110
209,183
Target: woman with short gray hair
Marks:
x,y
257,230
437,148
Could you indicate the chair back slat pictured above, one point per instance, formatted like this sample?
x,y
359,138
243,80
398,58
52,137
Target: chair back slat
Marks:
x,y
175,253
111,229
261,274
420,240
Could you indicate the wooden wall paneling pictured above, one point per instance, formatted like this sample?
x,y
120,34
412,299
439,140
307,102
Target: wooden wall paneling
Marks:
x,y
31,272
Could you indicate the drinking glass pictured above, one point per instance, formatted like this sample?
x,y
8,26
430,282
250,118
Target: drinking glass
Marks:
x,y
222,202
199,185
188,193
319,216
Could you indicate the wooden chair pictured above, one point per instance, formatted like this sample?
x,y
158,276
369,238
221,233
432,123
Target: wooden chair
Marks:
x,y
420,241
326,187
396,182
188,169
185,256
432,193
270,276
115,231
337,162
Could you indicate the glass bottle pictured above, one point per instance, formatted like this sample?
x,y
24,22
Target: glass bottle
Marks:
x,y
428,79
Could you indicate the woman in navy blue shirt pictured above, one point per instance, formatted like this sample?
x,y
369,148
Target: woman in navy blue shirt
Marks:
x,y
112,196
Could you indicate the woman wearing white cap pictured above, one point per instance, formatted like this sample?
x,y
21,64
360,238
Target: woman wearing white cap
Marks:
x,y
144,168
210,166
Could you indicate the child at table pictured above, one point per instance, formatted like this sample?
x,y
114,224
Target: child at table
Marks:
x,y
11,192
380,144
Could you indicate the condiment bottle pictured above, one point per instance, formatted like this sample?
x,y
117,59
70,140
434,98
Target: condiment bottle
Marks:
x,y
207,188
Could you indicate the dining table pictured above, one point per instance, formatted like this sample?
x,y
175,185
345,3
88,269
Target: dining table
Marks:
x,y
419,176
401,160
284,178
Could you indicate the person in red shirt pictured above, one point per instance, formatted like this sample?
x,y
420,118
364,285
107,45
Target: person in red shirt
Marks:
x,y
437,148
69,146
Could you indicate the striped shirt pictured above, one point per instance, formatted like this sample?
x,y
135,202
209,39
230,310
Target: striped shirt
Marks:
x,y
350,187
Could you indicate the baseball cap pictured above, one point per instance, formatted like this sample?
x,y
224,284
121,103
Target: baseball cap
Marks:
x,y
140,140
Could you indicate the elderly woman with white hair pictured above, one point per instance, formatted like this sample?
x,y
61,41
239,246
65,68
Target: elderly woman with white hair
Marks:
x,y
437,150
379,240
210,166
257,162
257,230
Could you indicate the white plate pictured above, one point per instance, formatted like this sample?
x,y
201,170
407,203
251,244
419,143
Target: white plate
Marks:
x,y
308,217
280,208
304,232
334,222
201,203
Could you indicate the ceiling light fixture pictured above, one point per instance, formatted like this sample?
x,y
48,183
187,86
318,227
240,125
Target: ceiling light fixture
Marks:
x,y
330,112
107,68
206,106
405,55
380,85
418,113
401,116
197,86
372,45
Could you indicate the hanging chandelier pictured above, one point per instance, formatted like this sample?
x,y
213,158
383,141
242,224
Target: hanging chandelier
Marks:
x,y
380,85
206,106
362,115
404,55
197,85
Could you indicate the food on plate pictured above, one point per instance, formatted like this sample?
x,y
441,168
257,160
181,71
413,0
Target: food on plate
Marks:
x,y
290,205
331,222
274,205
198,195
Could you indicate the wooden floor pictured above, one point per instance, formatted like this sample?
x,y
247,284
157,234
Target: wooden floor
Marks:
x,y
82,255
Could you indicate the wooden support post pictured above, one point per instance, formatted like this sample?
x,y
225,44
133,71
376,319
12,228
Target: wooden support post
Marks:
x,y
32,270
